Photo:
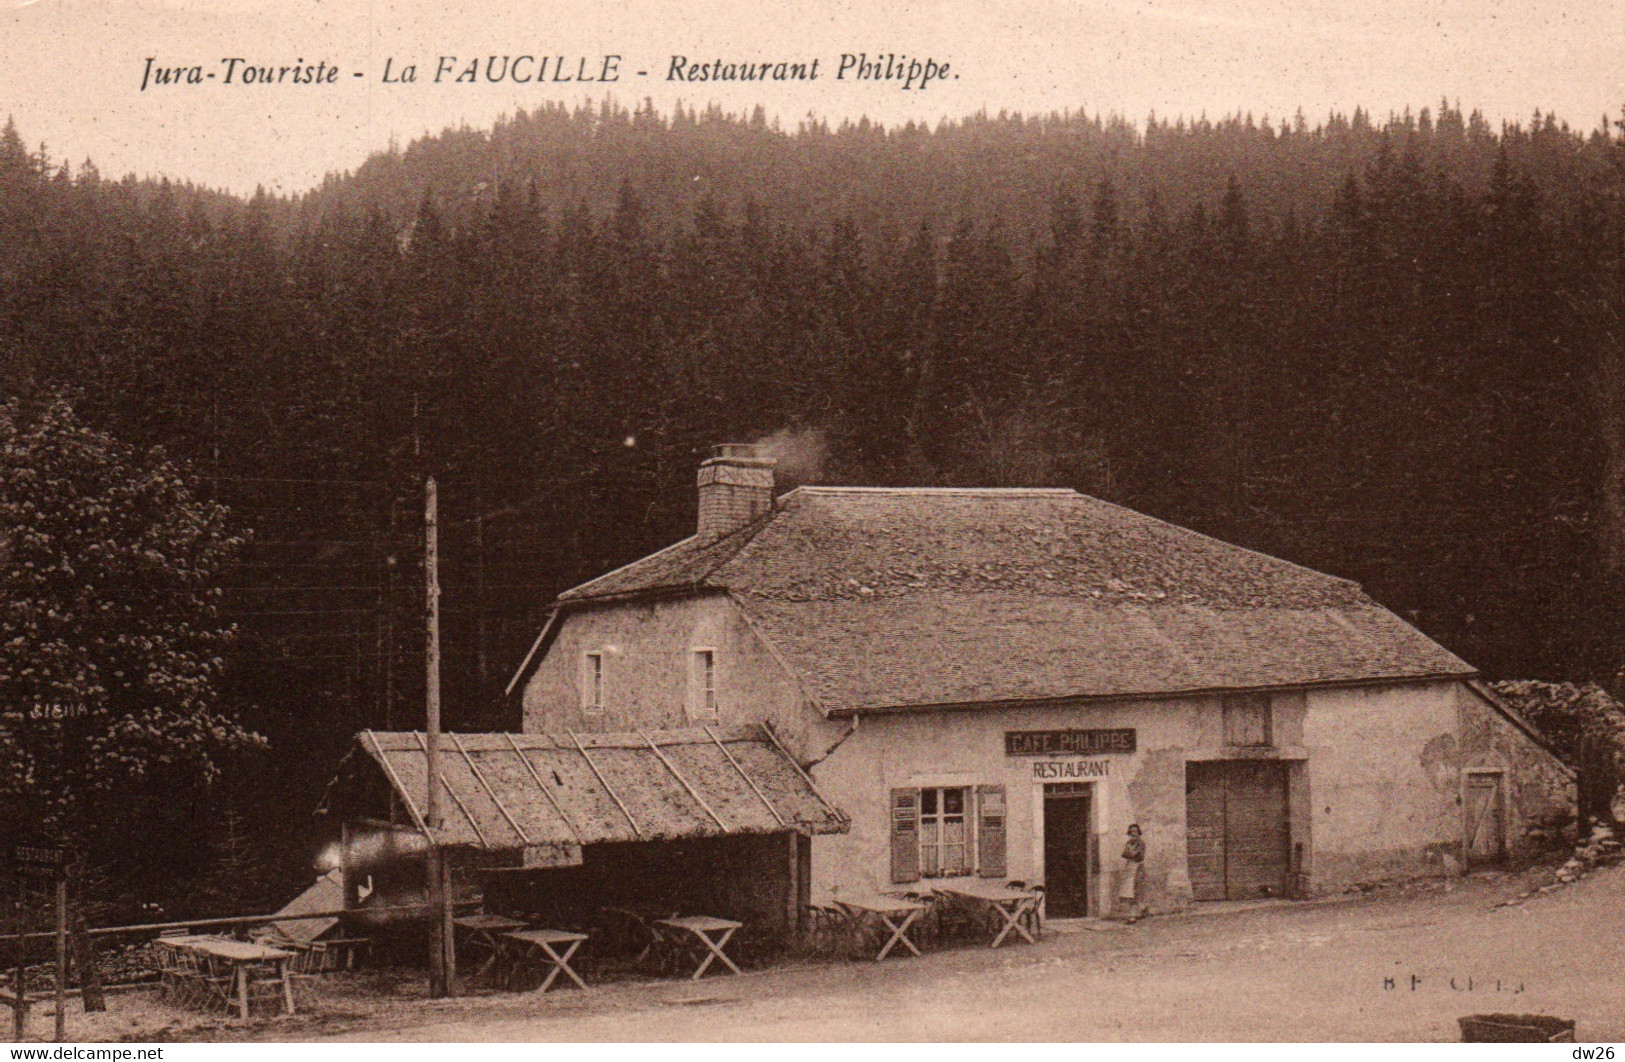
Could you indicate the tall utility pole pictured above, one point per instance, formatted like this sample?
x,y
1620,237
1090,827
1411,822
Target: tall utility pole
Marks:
x,y
386,614
442,963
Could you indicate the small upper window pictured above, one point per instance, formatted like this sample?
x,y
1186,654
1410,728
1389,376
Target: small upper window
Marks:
x,y
1247,719
702,684
592,682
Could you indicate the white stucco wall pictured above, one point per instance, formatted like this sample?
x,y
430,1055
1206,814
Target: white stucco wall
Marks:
x,y
967,748
1374,782
1386,770
1374,775
646,648
1383,784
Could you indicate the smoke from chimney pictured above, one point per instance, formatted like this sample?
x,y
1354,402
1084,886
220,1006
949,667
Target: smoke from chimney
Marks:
x,y
799,454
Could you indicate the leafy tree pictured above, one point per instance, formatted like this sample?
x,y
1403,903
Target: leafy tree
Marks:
x,y
111,641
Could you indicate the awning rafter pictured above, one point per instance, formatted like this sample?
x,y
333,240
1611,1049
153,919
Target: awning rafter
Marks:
x,y
678,775
573,790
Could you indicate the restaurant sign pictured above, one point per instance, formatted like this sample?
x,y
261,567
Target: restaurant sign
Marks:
x,y
1075,742
1068,770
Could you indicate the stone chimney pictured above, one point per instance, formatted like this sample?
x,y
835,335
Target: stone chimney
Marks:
x,y
736,487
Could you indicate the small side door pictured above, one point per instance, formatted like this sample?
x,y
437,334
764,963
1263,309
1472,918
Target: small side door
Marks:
x,y
1484,817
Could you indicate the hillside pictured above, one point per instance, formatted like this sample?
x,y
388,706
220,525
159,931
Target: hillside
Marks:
x,y
1388,351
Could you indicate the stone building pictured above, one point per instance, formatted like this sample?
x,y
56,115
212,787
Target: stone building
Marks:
x,y
998,682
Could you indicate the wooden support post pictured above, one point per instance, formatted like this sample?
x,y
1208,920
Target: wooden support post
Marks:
x,y
61,959
448,929
386,635
84,960
482,670
803,879
348,884
84,946
792,898
436,882
19,984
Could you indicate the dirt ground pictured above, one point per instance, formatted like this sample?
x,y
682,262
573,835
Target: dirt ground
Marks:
x,y
1398,964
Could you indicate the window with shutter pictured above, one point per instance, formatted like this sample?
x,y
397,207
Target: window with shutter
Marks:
x,y
905,835
990,830
1247,719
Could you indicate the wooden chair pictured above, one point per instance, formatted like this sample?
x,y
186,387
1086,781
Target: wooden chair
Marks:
x,y
622,931
189,980
173,977
316,957
956,922
1033,919
265,987
670,949
829,929
341,953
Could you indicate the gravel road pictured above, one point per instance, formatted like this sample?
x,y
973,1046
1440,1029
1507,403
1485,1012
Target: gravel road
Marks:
x,y
1396,965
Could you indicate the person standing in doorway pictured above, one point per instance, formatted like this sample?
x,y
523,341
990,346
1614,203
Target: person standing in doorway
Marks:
x,y
1130,871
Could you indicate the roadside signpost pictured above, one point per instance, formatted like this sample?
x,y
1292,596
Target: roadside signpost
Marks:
x,y
46,864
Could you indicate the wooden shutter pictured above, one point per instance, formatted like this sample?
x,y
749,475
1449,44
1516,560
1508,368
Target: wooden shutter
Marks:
x,y
905,835
1247,719
990,832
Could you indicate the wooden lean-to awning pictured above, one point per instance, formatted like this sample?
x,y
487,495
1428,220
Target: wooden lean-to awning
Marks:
x,y
548,796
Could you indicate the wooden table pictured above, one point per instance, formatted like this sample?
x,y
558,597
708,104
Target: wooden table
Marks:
x,y
242,960
1011,905
703,927
524,943
887,909
482,932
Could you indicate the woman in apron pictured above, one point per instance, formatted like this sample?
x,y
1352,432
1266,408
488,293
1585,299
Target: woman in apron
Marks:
x,y
1130,869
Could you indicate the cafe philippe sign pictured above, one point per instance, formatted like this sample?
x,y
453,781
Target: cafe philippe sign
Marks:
x,y
1069,742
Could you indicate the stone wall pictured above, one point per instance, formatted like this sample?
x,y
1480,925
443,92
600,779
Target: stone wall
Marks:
x,y
1539,788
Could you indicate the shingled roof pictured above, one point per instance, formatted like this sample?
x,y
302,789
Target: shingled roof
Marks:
x,y
535,792
894,598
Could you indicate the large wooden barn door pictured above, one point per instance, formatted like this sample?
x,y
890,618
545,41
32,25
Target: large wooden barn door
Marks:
x,y
1204,829
1255,829
1237,834
1486,830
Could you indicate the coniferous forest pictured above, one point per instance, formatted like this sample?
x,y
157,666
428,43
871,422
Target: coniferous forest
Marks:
x,y
1387,349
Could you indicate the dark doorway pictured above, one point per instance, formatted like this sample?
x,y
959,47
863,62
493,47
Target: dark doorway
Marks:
x,y
1237,836
1066,849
